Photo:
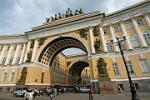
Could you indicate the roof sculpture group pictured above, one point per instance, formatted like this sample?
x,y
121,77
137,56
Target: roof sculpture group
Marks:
x,y
67,14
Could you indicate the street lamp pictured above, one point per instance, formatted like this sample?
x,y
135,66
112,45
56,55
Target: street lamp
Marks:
x,y
132,88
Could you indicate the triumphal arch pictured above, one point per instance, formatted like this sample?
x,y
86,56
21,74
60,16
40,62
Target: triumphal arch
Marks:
x,y
80,31
35,58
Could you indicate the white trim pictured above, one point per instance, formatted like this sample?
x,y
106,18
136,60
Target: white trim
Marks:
x,y
7,84
93,80
37,84
125,79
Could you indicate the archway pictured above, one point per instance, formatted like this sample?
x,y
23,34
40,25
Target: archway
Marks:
x,y
54,47
75,72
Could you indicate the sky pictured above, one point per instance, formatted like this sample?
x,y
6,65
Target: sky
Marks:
x,y
19,16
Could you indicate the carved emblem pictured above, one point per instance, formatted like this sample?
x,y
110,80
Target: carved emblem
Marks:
x,y
83,33
32,44
41,41
96,31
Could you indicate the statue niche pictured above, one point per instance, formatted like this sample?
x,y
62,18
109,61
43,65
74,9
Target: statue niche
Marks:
x,y
97,45
29,56
102,67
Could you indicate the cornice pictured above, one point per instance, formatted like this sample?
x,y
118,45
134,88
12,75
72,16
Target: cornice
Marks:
x,y
125,14
126,53
67,20
64,28
15,38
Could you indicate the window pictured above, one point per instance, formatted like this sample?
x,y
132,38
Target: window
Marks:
x,y
12,74
134,41
136,86
130,67
42,77
4,60
140,22
21,47
144,65
123,45
109,46
128,25
11,60
106,31
8,48
147,36
117,29
4,76
15,48
1,48
17,60
116,69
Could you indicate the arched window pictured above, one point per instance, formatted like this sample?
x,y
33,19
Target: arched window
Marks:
x,y
147,36
134,40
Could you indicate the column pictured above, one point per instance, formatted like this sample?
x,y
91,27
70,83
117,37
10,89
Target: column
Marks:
x,y
34,50
139,34
2,54
27,50
91,40
8,55
147,20
22,54
16,54
113,38
105,49
128,44
93,80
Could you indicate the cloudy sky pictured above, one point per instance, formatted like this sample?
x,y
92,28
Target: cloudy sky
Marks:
x,y
19,16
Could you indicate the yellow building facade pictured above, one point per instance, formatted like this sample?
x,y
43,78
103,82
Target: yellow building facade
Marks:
x,y
34,58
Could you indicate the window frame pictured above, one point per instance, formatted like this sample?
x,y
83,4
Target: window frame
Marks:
x,y
142,67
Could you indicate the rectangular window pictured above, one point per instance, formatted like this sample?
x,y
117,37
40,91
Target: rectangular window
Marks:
x,y
147,36
134,40
117,29
144,65
21,47
116,69
4,76
17,60
15,48
1,48
109,46
140,22
11,60
128,25
136,86
123,46
12,76
8,48
4,60
130,67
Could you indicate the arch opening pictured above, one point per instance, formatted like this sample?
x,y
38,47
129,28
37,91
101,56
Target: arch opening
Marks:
x,y
78,72
56,46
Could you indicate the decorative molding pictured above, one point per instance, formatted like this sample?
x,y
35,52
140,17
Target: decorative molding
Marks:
x,y
126,13
125,79
126,53
69,27
7,84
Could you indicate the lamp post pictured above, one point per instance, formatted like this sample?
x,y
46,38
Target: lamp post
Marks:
x,y
132,88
